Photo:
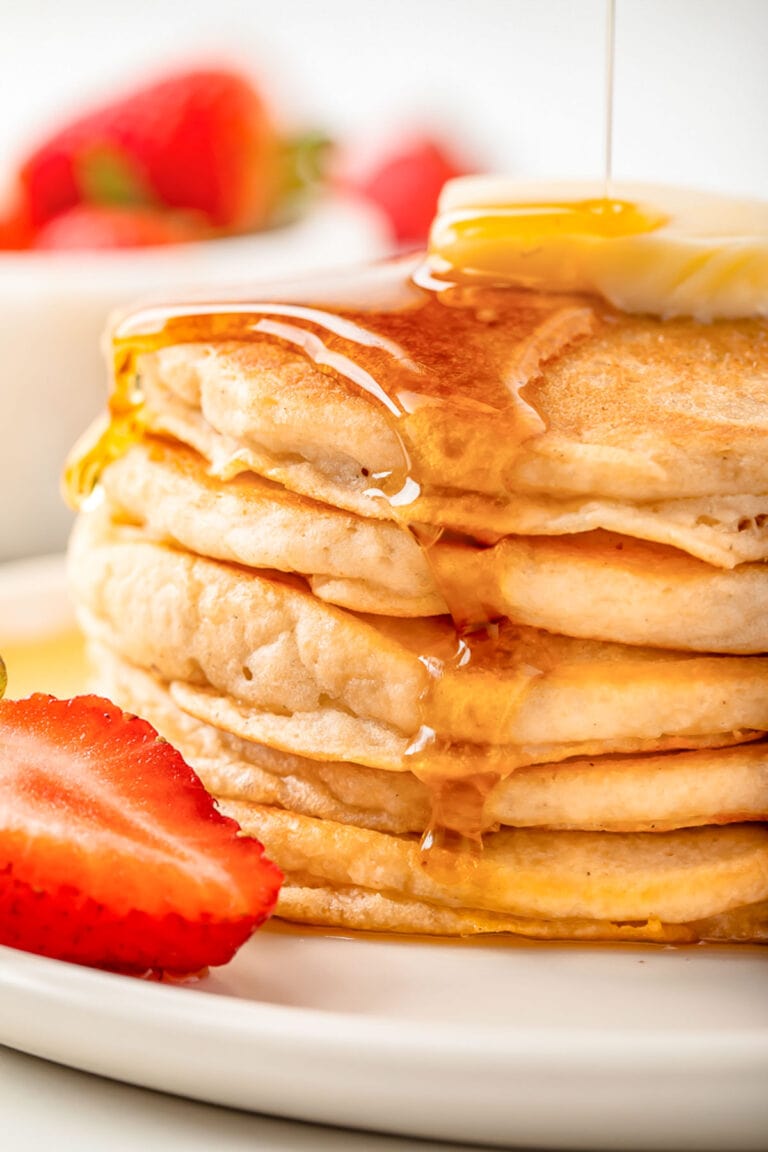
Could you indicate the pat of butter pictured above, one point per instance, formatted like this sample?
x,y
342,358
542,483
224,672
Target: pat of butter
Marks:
x,y
648,248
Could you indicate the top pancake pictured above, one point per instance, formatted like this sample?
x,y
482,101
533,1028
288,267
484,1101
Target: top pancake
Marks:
x,y
490,394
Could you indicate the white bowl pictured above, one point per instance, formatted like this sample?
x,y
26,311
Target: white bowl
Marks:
x,y
53,311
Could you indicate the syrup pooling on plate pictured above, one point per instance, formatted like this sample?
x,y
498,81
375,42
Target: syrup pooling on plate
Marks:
x,y
446,365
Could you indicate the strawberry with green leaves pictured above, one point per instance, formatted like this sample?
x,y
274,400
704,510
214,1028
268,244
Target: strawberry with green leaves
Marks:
x,y
200,141
112,854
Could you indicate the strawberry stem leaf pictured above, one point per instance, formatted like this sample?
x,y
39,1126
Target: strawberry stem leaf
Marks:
x,y
107,177
304,166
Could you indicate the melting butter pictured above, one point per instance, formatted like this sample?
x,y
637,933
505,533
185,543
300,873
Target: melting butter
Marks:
x,y
652,249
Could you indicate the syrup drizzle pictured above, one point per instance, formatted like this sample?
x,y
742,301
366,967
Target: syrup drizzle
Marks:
x,y
436,365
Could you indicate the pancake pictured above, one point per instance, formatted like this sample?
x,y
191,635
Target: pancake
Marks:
x,y
608,587
251,521
259,645
607,793
675,877
332,734
720,530
362,909
578,400
373,566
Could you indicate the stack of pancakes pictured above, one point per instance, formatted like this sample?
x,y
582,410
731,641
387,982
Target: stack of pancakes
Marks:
x,y
455,598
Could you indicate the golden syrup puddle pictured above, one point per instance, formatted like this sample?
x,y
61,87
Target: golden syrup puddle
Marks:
x,y
439,362
54,663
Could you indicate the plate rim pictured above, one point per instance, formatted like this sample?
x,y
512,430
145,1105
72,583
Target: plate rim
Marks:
x,y
58,980
343,1064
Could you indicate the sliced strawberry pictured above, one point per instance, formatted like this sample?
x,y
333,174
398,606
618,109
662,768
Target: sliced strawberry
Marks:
x,y
111,851
200,140
94,226
404,182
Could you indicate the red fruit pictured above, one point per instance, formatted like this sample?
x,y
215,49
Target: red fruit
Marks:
x,y
111,851
90,226
201,141
405,184
15,227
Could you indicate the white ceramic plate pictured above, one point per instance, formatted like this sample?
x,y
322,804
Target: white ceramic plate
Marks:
x,y
545,1046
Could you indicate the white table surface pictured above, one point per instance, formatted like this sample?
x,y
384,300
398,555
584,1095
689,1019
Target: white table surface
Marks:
x,y
46,1107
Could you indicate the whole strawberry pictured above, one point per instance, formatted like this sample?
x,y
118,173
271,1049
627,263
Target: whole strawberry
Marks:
x,y
404,181
201,141
111,851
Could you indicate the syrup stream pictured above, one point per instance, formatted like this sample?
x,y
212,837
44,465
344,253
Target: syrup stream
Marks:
x,y
610,52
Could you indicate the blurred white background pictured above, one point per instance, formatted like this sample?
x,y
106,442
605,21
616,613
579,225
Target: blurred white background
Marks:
x,y
520,81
